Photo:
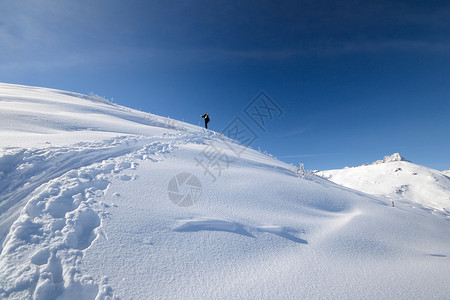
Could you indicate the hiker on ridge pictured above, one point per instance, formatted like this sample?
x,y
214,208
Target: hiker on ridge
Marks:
x,y
206,117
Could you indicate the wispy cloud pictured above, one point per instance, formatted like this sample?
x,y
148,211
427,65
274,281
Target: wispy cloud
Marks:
x,y
331,48
295,132
307,155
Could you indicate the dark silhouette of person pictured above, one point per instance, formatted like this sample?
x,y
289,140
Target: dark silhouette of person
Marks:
x,y
206,117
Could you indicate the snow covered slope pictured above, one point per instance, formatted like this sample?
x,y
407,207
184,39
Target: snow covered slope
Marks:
x,y
398,179
99,201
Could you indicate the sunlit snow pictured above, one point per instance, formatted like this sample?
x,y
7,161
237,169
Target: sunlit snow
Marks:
x,y
85,213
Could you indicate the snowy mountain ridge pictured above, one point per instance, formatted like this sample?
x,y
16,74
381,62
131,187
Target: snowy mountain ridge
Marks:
x,y
396,178
100,201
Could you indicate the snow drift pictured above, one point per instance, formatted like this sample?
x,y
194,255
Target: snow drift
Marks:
x,y
89,210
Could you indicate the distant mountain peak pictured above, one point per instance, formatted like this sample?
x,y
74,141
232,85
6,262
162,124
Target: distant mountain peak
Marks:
x,y
390,158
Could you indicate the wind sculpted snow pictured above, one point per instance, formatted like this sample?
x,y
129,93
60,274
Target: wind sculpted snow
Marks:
x,y
86,213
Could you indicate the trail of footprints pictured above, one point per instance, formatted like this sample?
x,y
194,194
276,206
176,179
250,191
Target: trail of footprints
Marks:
x,y
43,251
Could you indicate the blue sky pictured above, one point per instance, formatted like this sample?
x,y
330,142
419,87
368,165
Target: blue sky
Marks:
x,y
356,80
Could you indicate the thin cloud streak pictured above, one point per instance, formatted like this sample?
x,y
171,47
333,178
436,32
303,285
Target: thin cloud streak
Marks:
x,y
339,48
307,155
295,132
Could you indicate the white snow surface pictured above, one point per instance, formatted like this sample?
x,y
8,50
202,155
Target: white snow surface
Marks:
x,y
397,179
85,214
